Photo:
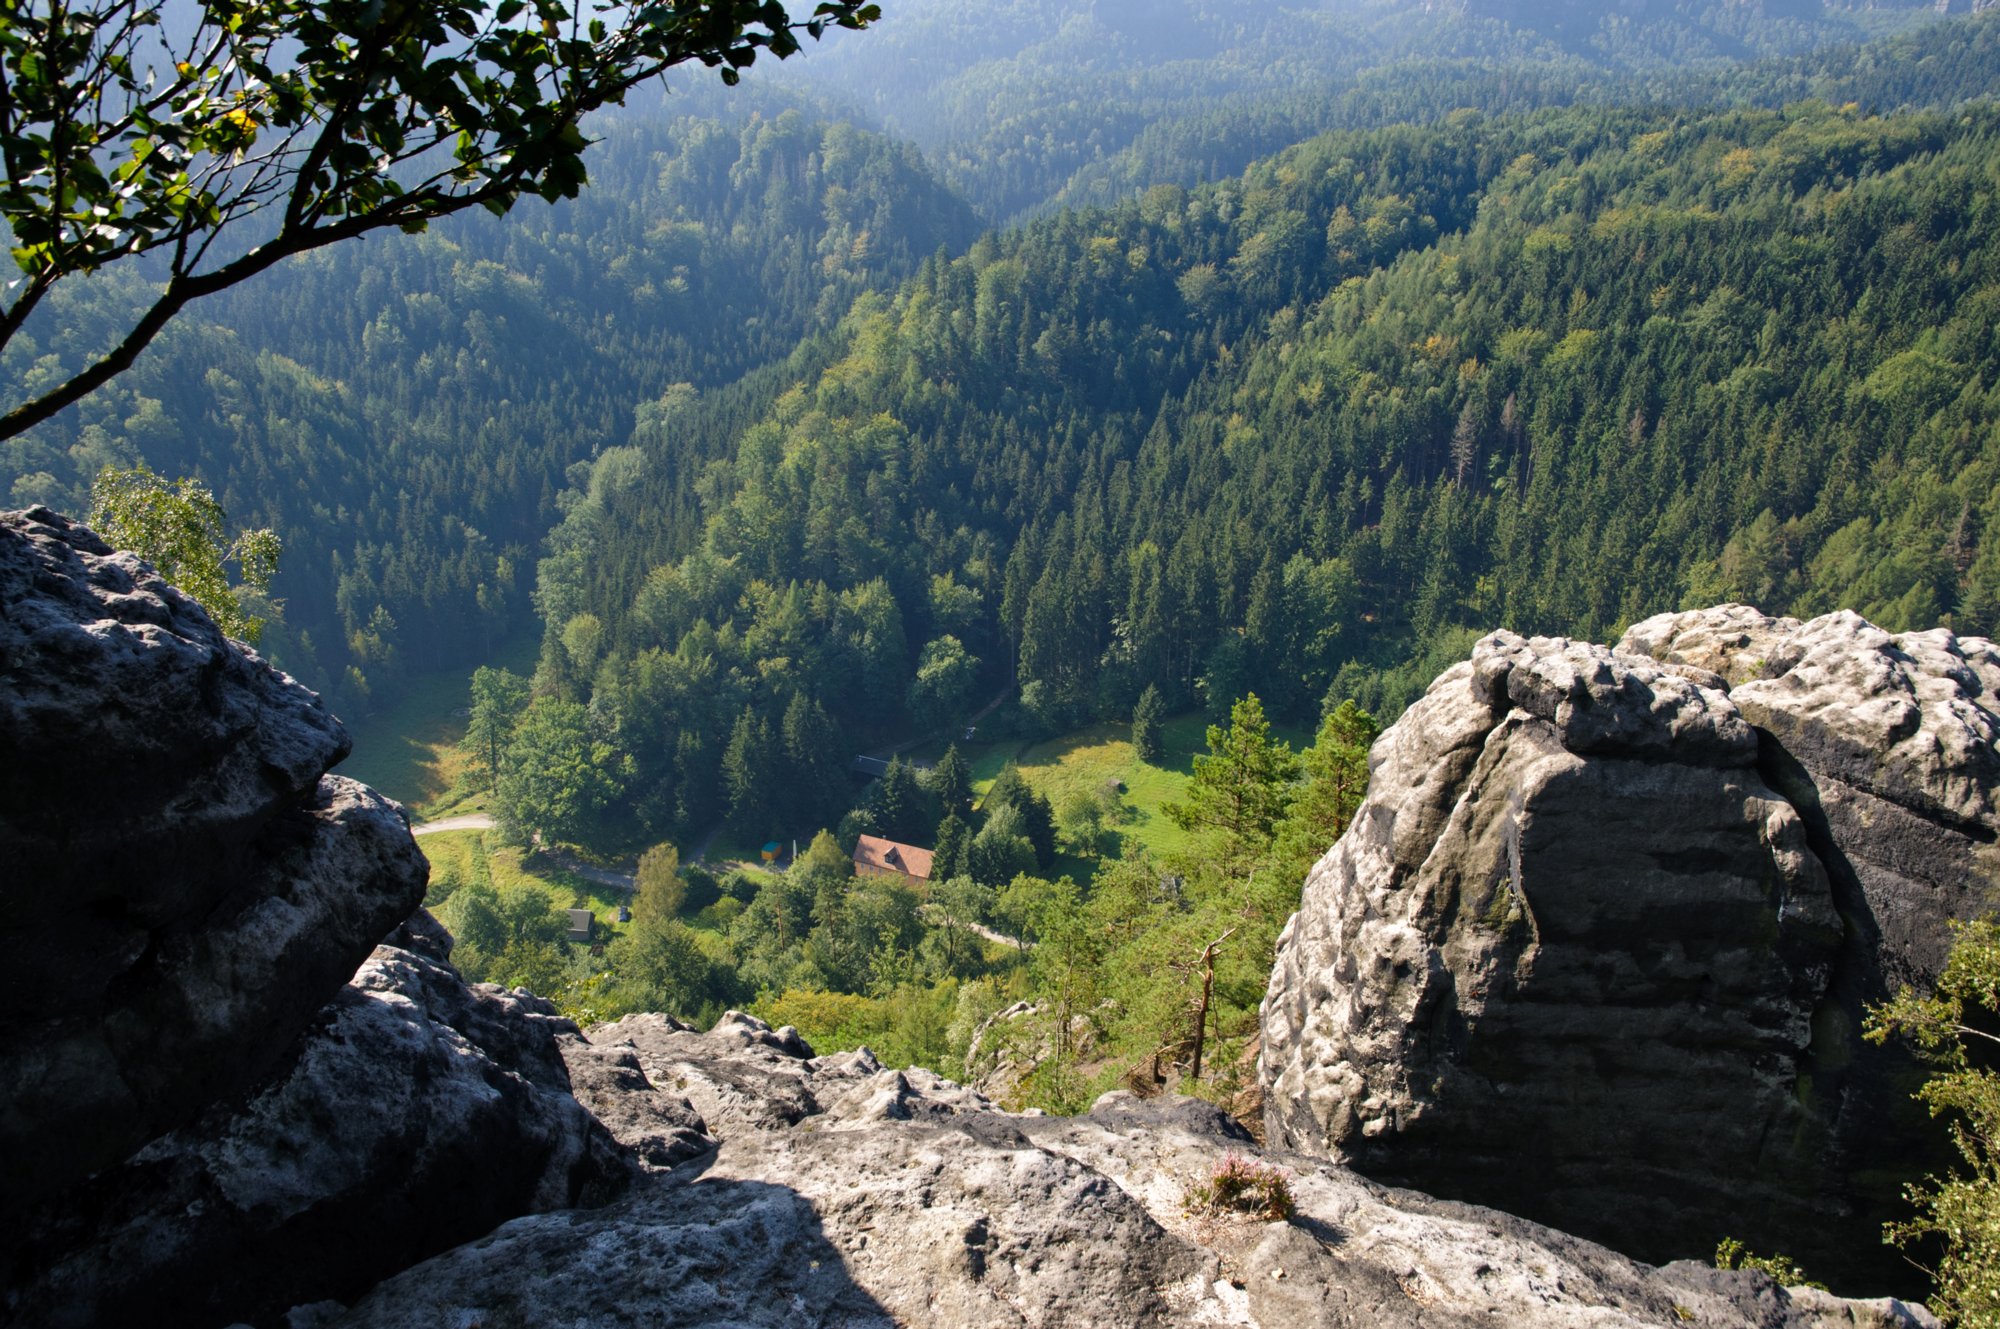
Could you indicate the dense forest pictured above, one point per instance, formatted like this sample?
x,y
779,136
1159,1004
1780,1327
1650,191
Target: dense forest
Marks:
x,y
1014,104
1307,430
1276,448
404,411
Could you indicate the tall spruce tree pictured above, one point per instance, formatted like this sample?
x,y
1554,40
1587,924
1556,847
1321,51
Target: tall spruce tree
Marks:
x,y
950,783
1147,719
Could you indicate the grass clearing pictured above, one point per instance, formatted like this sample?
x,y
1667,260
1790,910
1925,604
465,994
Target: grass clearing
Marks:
x,y
409,749
1101,758
460,858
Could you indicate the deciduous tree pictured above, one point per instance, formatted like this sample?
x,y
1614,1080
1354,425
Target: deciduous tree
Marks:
x,y
178,527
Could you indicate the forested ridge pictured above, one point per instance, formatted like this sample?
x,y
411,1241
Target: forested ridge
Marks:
x,y
1037,101
789,462
1277,447
1305,431
403,412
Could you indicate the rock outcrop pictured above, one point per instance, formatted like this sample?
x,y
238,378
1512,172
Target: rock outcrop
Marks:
x,y
1885,742
1596,946
209,1113
416,1114
206,1112
846,1194
184,886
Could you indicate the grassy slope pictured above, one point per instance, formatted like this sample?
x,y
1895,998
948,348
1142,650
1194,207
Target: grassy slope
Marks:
x,y
459,858
410,750
1101,757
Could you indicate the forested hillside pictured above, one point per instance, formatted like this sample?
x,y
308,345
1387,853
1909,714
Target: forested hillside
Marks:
x,y
1936,65
1302,431
403,411
1030,102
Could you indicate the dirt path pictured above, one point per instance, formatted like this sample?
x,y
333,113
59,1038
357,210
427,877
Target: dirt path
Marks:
x,y
930,912
617,881
476,821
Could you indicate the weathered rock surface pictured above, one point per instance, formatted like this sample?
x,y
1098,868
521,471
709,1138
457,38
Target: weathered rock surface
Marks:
x,y
183,890
904,1200
1886,743
416,1114
1596,946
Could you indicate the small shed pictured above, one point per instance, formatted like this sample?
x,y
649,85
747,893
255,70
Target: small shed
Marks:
x,y
581,922
876,857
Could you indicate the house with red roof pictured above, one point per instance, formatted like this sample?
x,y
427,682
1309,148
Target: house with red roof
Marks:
x,y
876,857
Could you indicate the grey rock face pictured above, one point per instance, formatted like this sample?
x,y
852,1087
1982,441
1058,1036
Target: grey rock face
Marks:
x,y
662,1131
416,1114
743,1076
183,889
1888,748
943,1212
1594,949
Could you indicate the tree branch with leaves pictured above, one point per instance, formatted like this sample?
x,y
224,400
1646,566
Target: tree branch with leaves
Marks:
x,y
269,128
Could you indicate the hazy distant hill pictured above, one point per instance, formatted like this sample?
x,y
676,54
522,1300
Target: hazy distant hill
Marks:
x,y
1016,99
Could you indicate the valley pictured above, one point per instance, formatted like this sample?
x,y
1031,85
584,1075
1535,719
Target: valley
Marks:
x,y
1335,590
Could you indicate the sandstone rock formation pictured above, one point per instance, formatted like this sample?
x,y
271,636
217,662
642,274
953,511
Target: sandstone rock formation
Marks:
x,y
183,886
205,1110
204,1118
415,1115
847,1194
1596,947
1886,744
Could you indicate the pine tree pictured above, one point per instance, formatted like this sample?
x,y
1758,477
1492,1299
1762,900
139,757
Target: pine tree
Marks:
x,y
747,773
1146,724
1464,445
953,842
814,786
950,782
1240,788
898,803
1335,771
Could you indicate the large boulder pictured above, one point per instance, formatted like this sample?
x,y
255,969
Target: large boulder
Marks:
x,y
863,1196
184,887
417,1113
1596,946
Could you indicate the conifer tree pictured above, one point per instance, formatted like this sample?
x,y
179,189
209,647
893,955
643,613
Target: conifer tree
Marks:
x,y
898,803
950,783
954,841
1037,818
749,774
1146,724
1240,788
